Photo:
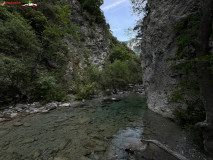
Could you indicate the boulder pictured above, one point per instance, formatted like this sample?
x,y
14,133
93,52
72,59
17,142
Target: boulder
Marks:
x,y
51,106
64,105
17,124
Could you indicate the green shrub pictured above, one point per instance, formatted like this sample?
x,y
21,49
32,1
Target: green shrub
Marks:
x,y
186,33
93,12
85,91
121,73
14,77
120,53
47,88
187,118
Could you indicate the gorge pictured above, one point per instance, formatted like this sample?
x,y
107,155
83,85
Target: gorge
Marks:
x,y
70,90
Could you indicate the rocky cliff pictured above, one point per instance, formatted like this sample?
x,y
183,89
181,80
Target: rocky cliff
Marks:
x,y
158,45
94,39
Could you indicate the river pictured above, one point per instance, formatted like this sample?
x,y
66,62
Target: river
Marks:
x,y
95,130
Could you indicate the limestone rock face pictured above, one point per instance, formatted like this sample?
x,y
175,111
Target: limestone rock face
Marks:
x,y
93,40
158,45
134,44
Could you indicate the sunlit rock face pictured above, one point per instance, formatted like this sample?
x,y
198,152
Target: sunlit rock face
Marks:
x,y
94,44
93,36
158,45
134,44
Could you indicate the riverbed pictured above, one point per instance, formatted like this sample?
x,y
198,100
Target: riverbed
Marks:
x,y
94,130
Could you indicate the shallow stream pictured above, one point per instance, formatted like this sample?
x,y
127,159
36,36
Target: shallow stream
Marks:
x,y
96,130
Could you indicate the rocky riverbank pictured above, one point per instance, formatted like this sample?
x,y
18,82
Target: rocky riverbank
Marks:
x,y
21,110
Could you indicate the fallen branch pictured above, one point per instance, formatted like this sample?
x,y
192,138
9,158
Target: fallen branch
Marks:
x,y
160,145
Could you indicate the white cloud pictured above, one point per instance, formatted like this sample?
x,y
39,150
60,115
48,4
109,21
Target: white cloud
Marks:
x,y
113,5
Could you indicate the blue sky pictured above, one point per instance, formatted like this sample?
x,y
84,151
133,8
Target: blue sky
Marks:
x,y
119,15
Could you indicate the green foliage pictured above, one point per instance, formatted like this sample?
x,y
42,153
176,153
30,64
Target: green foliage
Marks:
x,y
92,6
121,73
16,35
85,91
54,52
187,118
34,57
176,96
63,17
93,12
193,114
186,33
30,47
120,53
14,76
36,19
18,51
47,88
117,74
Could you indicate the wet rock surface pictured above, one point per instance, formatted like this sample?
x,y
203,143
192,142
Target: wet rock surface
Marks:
x,y
92,132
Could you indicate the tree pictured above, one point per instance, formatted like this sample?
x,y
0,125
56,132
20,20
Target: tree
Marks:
x,y
205,74
138,6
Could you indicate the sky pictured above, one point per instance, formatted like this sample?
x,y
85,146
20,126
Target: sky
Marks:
x,y
119,15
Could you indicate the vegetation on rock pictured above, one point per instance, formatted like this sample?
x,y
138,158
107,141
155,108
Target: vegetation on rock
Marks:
x,y
186,61
34,55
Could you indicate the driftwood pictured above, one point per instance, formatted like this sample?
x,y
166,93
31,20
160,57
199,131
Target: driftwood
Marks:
x,y
160,145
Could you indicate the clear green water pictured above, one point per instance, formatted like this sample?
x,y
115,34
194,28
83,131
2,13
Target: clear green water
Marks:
x,y
96,130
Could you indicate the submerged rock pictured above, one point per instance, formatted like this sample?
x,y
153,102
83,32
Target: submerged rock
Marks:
x,y
84,158
17,124
64,144
61,158
29,140
3,132
84,120
27,124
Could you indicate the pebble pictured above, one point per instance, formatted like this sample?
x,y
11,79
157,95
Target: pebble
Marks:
x,y
27,124
2,133
17,124
100,149
60,158
89,144
84,158
45,111
2,119
96,157
13,115
36,154
87,152
64,105
84,120
64,144
29,140
51,106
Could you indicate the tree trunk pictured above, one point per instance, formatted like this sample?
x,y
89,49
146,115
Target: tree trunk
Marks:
x,y
205,74
165,148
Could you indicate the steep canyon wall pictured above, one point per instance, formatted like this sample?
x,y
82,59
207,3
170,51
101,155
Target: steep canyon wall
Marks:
x,y
158,45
